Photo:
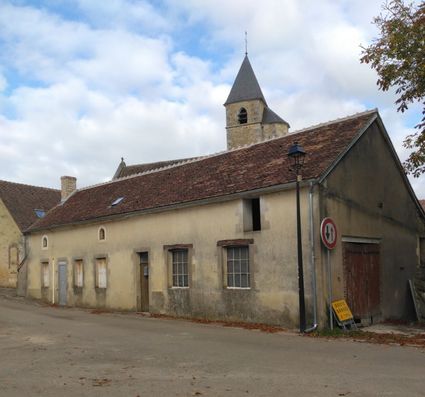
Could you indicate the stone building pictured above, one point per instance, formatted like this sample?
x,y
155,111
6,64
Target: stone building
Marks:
x,y
20,206
215,236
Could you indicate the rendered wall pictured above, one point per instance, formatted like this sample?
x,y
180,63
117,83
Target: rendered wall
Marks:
x,y
272,298
10,246
367,198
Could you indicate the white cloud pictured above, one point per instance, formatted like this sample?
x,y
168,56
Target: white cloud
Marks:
x,y
139,15
127,79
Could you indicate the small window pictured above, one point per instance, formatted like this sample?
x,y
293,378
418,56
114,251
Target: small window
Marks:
x,y
180,268
45,274
102,234
78,273
40,213
101,276
117,201
252,214
238,275
243,116
255,213
44,242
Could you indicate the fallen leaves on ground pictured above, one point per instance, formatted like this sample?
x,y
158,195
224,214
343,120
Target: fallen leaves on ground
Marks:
x,y
253,326
101,382
415,340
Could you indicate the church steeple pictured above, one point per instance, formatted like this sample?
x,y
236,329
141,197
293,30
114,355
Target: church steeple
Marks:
x,y
245,87
248,118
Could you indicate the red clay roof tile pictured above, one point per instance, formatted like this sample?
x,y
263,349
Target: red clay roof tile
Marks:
x,y
21,201
253,167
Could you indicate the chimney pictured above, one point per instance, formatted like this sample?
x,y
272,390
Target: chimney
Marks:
x,y
68,186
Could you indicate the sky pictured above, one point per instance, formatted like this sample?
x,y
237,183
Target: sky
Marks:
x,y
86,82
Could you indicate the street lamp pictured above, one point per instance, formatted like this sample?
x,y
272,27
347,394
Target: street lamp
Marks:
x,y
297,154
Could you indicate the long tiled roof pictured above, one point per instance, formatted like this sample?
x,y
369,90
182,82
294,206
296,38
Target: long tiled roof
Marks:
x,y
252,167
22,201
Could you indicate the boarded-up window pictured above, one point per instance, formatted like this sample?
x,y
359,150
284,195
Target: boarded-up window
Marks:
x,y
45,274
78,273
101,273
13,258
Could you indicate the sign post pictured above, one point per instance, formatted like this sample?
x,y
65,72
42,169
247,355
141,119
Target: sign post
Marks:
x,y
328,234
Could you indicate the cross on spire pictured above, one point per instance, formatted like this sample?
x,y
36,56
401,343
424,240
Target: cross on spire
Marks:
x,y
246,42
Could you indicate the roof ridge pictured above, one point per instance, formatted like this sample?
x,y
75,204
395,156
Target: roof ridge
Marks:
x,y
345,118
338,120
159,162
25,184
177,164
200,158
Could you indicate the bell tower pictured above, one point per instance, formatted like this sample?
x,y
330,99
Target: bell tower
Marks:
x,y
248,118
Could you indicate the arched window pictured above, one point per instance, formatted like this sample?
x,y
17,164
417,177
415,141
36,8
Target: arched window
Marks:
x,y
44,242
102,234
242,116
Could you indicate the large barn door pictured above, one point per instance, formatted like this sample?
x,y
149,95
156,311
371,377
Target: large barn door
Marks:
x,y
361,272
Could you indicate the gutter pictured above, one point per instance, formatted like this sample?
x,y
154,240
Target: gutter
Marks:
x,y
312,259
22,262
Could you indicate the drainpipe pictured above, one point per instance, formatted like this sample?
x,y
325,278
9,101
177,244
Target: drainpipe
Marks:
x,y
21,286
22,262
53,281
312,259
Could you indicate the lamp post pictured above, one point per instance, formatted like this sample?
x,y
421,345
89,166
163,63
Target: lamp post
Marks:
x,y
297,154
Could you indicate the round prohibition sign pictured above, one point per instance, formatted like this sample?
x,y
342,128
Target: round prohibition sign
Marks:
x,y
328,233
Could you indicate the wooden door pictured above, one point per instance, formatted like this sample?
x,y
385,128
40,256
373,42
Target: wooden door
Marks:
x,y
362,275
144,281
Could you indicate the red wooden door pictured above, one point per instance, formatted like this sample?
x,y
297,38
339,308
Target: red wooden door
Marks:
x,y
361,271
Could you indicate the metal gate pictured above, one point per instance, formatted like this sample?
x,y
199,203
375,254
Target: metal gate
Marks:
x,y
362,275
63,283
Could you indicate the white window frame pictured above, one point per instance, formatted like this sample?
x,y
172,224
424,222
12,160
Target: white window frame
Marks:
x,y
233,261
177,268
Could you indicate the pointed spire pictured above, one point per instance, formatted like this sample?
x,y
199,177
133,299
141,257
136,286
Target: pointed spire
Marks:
x,y
246,86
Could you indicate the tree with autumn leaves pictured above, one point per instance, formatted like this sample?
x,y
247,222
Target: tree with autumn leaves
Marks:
x,y
398,56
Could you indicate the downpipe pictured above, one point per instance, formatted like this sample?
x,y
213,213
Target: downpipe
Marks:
x,y
312,260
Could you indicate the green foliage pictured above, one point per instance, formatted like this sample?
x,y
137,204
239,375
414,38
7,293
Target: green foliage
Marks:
x,y
398,56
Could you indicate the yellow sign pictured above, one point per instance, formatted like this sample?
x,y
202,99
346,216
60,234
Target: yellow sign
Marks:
x,y
342,310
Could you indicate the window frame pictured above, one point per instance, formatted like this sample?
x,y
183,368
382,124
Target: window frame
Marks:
x,y
222,247
242,116
76,263
252,214
98,261
239,273
45,273
44,238
180,268
102,228
170,251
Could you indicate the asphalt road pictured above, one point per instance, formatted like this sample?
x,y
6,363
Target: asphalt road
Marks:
x,y
70,352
